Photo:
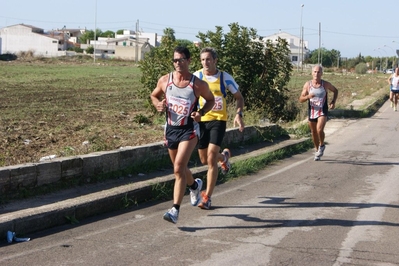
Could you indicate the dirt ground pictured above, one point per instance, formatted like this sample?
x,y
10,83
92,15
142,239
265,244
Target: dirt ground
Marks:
x,y
43,113
29,143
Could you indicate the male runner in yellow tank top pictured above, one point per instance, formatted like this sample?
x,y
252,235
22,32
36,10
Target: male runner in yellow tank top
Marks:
x,y
213,123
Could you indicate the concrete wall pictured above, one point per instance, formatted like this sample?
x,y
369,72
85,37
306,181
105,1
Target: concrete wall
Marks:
x,y
25,176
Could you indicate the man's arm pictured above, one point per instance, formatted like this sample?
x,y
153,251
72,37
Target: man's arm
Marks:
x,y
240,108
202,89
334,90
304,94
206,93
240,101
158,93
389,79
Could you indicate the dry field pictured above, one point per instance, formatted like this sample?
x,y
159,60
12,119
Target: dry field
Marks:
x,y
70,107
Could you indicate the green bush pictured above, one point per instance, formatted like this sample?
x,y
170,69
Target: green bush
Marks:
x,y
8,57
262,69
361,68
90,50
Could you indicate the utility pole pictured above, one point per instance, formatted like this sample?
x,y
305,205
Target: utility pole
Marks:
x,y
302,51
300,39
95,31
137,42
318,60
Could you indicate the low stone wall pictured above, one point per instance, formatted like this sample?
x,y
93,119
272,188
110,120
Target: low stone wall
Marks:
x,y
25,176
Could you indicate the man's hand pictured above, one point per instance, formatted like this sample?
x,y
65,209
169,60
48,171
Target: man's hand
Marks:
x,y
238,121
196,116
161,106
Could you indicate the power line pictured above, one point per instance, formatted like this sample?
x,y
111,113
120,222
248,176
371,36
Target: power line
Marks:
x,y
131,23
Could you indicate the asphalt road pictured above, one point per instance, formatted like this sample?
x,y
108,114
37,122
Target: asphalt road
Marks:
x,y
342,210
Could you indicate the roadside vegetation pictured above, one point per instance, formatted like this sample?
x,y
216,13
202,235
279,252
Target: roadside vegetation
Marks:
x,y
72,105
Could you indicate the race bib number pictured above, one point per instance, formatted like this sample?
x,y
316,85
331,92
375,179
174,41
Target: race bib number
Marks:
x,y
179,106
218,106
316,102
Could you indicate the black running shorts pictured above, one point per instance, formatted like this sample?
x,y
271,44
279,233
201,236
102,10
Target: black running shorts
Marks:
x,y
211,132
175,135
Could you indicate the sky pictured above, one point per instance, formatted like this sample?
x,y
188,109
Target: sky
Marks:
x,y
352,27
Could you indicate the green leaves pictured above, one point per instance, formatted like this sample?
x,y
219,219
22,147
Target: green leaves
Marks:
x,y
262,69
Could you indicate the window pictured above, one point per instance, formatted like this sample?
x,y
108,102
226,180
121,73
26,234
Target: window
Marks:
x,y
294,58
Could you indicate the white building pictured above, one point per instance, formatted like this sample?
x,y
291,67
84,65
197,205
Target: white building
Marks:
x,y
124,46
24,38
299,50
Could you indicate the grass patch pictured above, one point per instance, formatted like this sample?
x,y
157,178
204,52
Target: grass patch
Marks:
x,y
258,163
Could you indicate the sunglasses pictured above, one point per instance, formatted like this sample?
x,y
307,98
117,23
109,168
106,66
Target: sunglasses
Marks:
x,y
180,60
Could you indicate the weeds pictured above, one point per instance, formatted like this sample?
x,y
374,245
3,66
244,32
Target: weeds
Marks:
x,y
72,219
162,191
128,202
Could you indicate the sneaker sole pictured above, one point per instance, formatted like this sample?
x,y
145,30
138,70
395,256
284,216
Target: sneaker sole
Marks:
x,y
204,207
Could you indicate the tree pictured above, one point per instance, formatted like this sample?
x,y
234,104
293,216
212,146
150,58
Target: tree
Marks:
x,y
185,43
328,58
262,70
108,34
353,62
169,33
335,57
89,35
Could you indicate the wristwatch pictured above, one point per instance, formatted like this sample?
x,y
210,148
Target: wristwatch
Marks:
x,y
239,113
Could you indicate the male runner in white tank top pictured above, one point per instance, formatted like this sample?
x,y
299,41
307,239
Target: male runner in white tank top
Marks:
x,y
315,93
177,93
393,80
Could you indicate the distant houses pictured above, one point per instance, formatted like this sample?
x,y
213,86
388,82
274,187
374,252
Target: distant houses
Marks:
x,y
27,38
129,45
125,46
299,50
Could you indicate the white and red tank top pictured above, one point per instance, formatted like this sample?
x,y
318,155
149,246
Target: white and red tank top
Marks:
x,y
180,102
318,103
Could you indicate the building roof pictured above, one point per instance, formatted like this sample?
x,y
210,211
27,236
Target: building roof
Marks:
x,y
25,25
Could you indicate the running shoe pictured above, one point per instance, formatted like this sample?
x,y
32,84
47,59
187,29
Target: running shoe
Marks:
x,y
225,165
206,202
320,152
171,215
391,104
195,194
